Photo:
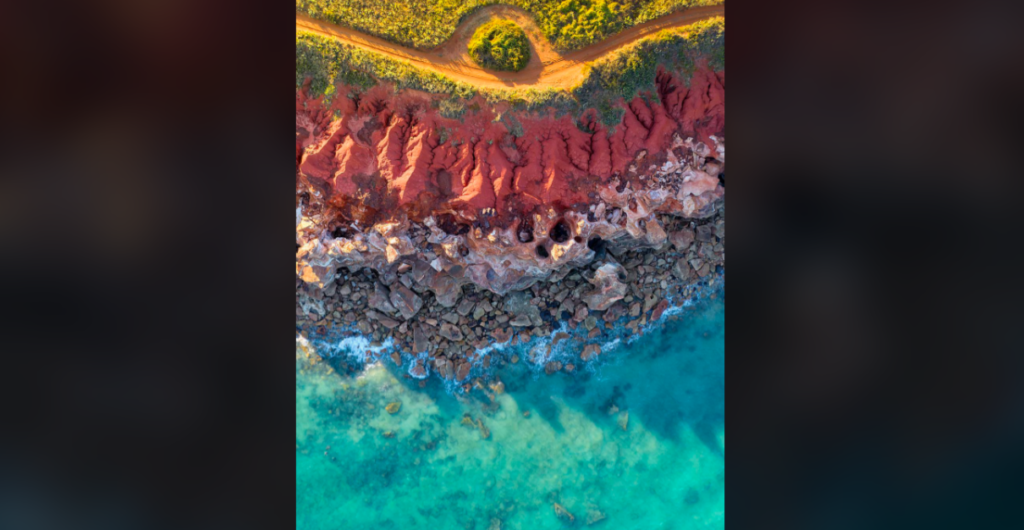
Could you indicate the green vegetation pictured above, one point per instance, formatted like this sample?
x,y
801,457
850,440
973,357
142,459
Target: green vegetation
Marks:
x,y
568,24
624,74
631,70
500,45
328,62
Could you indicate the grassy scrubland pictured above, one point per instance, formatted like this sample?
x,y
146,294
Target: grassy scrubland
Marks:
x,y
568,24
625,74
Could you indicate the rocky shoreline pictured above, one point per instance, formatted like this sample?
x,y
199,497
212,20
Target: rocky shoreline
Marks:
x,y
588,302
437,238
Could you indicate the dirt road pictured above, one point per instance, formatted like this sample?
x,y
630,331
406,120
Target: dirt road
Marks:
x,y
547,68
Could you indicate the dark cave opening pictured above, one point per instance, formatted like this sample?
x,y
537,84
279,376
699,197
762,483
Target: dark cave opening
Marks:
x,y
525,232
448,223
560,232
598,246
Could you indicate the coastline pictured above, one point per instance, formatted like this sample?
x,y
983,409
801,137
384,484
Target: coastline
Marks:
x,y
440,242
558,344
647,417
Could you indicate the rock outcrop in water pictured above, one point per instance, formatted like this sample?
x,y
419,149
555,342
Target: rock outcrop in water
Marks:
x,y
500,201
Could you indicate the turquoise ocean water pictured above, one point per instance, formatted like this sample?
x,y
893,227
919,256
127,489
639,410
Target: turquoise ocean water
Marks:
x,y
633,440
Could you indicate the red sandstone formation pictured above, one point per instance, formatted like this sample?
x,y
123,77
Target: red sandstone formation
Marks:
x,y
388,182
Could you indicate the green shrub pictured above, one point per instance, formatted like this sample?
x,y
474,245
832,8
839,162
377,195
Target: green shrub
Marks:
x,y
500,45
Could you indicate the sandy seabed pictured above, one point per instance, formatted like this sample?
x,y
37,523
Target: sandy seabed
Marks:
x,y
632,440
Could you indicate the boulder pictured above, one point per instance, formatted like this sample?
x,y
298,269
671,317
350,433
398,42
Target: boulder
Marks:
x,y
705,233
682,239
384,320
444,367
450,332
659,309
518,303
462,371
380,299
465,307
501,334
521,320
419,339
614,312
445,288
407,302
649,302
608,287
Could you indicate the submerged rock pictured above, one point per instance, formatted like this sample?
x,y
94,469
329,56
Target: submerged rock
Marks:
x,y
552,367
594,516
465,307
563,514
590,351
484,431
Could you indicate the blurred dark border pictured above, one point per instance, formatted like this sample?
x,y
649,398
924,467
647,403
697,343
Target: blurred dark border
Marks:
x,y
145,221
875,317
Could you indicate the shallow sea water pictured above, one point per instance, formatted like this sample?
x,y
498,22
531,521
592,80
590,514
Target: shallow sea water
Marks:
x,y
359,466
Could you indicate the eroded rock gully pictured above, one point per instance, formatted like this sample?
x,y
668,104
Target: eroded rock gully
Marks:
x,y
497,199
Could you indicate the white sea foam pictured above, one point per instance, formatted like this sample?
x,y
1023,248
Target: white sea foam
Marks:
x,y
425,358
356,347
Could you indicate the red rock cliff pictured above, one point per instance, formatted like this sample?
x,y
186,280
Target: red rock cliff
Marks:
x,y
497,207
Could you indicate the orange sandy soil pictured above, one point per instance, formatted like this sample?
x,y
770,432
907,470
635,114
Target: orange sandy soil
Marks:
x,y
547,68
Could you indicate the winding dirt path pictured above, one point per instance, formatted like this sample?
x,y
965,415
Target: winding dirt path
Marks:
x,y
547,68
